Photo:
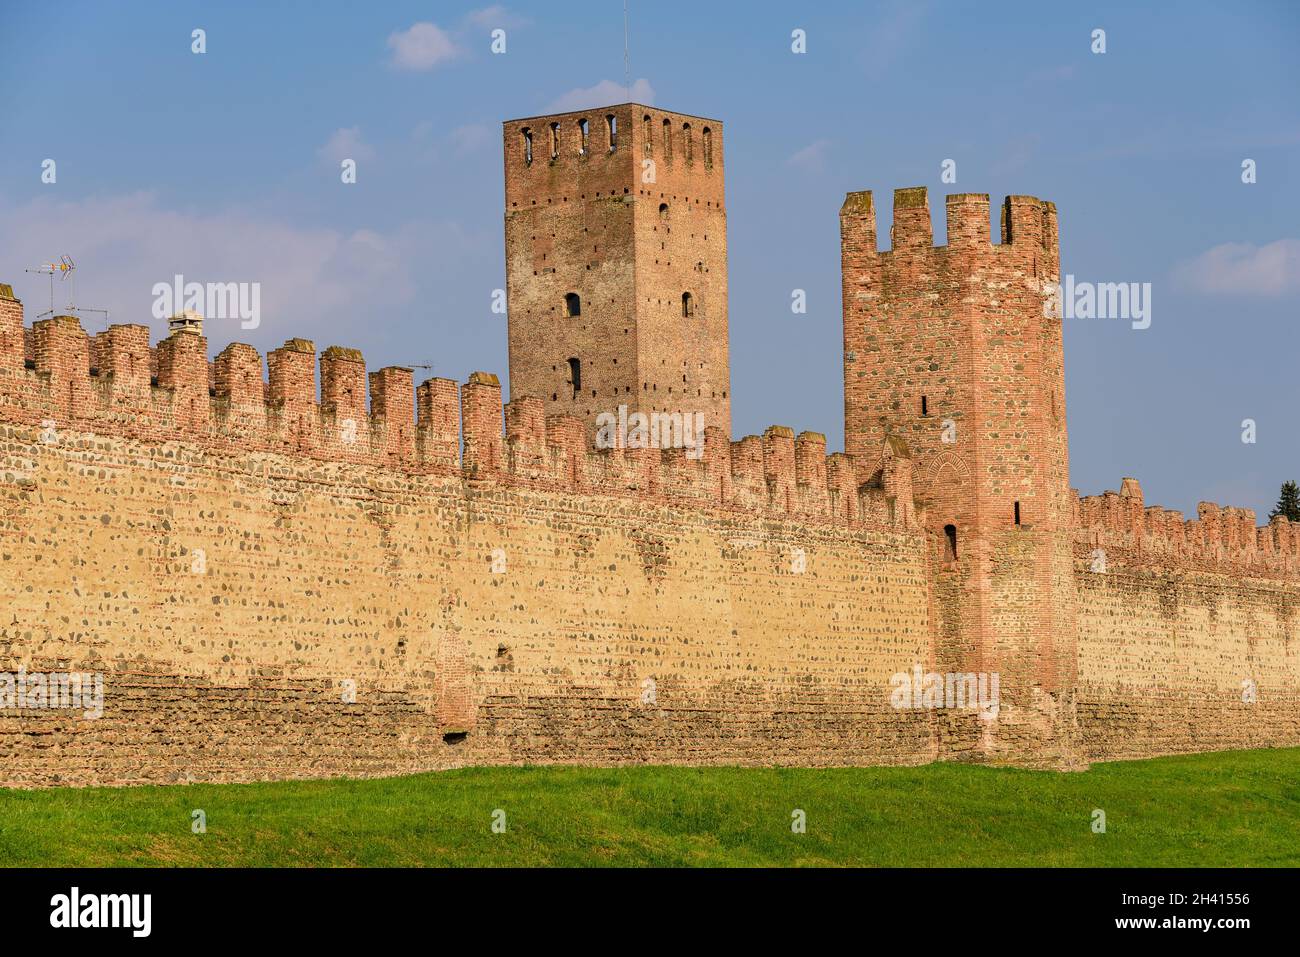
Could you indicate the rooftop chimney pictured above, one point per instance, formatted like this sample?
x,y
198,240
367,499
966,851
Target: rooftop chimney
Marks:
x,y
187,321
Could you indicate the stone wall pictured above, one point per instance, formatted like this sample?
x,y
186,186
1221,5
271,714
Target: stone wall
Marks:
x,y
229,599
276,582
1188,631
1169,662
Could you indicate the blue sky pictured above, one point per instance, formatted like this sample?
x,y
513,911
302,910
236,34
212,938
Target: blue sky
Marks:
x,y
225,167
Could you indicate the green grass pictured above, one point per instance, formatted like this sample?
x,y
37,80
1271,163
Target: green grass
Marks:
x,y
1225,809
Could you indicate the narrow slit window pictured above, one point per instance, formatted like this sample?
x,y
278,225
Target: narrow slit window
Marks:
x,y
950,542
611,126
572,304
663,212
584,134
925,405
706,140
1017,513
688,305
555,140
687,146
575,376
647,134
528,146
668,141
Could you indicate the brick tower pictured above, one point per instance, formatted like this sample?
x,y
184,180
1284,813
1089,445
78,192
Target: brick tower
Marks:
x,y
952,349
616,263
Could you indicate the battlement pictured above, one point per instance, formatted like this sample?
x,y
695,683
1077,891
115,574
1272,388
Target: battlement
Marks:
x,y
626,149
1028,224
1220,538
439,428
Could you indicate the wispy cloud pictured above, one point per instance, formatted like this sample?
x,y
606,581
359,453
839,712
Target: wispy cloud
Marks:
x,y
346,143
490,18
811,158
315,282
603,94
470,137
422,46
1244,269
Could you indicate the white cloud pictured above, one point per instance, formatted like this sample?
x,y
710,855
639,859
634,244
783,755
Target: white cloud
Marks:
x,y
470,137
421,47
1244,269
319,283
496,16
812,157
604,93
346,143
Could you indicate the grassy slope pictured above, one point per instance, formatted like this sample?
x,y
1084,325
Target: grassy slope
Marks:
x,y
1224,809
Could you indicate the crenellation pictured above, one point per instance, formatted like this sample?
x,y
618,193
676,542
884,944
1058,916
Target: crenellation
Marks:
x,y
1223,538
345,424
717,463
438,432
567,437
392,414
63,366
12,339
748,482
1022,222
912,228
481,420
122,355
810,474
525,418
293,414
841,481
681,477
968,221
778,468
183,370
239,409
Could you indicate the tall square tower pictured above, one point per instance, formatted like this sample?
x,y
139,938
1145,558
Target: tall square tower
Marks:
x,y
957,350
616,263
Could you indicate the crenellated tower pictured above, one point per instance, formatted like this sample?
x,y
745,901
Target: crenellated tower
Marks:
x,y
956,350
616,263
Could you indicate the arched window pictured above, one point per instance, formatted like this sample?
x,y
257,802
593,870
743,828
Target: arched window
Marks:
x,y
575,376
686,143
584,133
706,137
528,146
648,135
950,543
611,126
572,304
663,212
688,305
668,142
555,140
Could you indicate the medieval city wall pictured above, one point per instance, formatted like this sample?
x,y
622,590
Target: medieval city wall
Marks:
x,y
1189,631
312,588
278,579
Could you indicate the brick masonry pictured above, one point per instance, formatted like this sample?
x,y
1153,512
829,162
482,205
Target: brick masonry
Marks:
x,y
283,580
629,218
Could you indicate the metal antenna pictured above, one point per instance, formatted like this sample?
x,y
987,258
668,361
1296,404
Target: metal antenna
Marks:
x,y
64,269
